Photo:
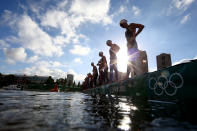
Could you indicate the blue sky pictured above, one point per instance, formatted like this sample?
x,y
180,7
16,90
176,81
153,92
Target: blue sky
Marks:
x,y
63,36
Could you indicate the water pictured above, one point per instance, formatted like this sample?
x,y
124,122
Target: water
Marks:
x,y
30,110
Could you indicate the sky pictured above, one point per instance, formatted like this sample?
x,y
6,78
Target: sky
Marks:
x,y
54,38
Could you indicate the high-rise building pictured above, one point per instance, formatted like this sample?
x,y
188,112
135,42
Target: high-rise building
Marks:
x,y
163,61
70,78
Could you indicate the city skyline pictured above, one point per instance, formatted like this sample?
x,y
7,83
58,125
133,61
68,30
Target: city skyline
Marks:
x,y
61,37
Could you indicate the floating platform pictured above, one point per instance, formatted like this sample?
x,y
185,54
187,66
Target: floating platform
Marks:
x,y
177,82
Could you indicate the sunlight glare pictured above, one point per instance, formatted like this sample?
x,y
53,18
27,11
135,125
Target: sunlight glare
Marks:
x,y
122,59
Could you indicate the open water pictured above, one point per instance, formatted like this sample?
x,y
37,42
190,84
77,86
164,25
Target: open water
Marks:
x,y
74,111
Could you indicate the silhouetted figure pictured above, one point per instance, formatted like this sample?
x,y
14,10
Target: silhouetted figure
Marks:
x,y
103,69
133,51
90,80
100,72
85,83
95,74
114,48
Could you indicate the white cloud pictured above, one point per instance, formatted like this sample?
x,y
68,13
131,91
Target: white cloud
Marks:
x,y
122,9
182,4
81,11
119,11
33,59
185,19
9,18
50,64
3,44
55,64
77,60
60,40
35,39
195,57
12,39
44,68
15,54
62,4
95,11
177,7
30,35
67,24
80,50
136,10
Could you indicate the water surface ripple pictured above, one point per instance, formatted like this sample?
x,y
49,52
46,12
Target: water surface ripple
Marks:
x,y
31,110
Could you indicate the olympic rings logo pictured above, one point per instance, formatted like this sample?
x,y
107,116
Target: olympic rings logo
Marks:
x,y
163,85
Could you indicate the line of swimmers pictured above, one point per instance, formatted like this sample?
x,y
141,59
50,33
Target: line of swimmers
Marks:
x,y
132,31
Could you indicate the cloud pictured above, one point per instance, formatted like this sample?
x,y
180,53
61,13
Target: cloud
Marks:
x,y
33,59
195,57
58,19
185,19
35,39
179,6
80,50
122,9
62,4
127,1
80,11
95,11
45,68
77,60
182,4
119,11
55,64
30,35
136,10
15,54
3,44
60,40
66,23
9,18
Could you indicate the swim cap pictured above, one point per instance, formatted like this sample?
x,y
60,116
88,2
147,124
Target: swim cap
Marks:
x,y
108,41
123,21
100,53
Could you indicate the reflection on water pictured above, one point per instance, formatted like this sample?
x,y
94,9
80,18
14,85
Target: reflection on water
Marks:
x,y
28,110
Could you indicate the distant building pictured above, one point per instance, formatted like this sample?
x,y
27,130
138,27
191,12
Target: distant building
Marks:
x,y
70,78
163,61
37,79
